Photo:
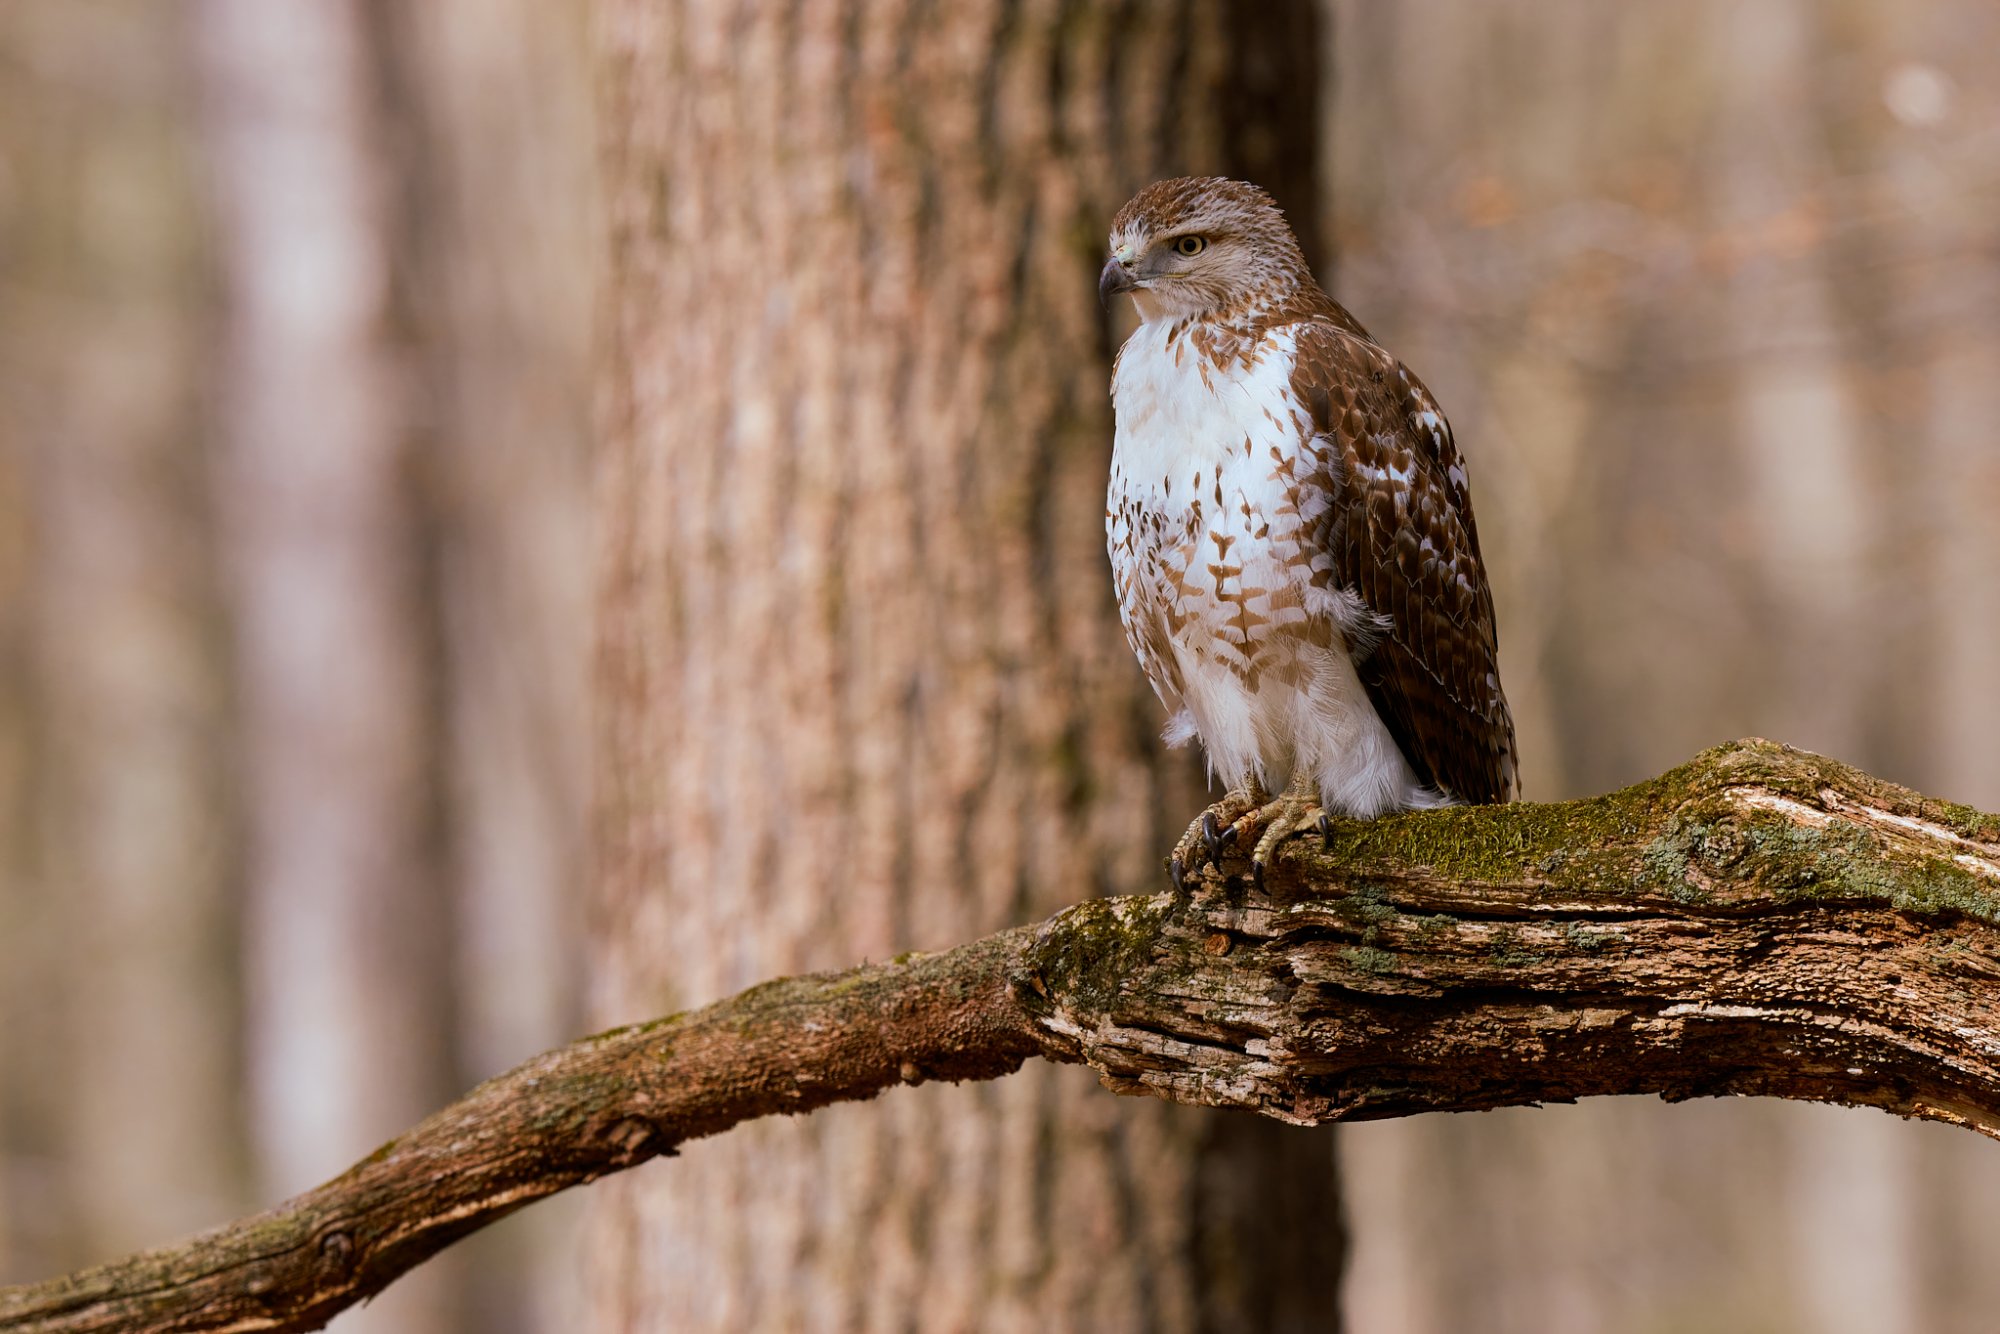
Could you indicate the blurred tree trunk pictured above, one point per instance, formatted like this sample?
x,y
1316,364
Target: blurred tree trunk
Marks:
x,y
861,682
115,909
405,206
493,233
1811,517
378,435
1930,340
348,966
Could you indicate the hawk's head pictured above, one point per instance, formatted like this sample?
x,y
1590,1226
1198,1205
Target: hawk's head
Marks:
x,y
1198,246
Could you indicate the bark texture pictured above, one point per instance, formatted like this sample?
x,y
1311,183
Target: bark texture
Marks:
x,y
1760,921
860,664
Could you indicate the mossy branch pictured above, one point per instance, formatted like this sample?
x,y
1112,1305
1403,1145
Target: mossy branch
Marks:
x,y
1759,921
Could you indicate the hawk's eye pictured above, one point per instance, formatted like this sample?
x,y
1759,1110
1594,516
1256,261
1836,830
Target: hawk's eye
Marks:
x,y
1190,245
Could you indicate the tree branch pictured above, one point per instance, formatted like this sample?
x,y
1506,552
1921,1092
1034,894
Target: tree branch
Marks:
x,y
1759,921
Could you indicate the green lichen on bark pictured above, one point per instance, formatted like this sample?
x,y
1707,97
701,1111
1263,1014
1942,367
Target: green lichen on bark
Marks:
x,y
1681,835
1847,863
1665,861
1094,950
1581,938
1508,951
1368,959
1588,843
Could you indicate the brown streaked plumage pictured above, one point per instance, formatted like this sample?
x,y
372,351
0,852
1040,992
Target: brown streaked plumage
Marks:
x,y
1290,529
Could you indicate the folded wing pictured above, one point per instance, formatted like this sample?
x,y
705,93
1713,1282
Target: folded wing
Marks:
x,y
1400,535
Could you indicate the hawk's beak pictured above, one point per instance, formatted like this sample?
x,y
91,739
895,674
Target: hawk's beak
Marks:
x,y
1116,278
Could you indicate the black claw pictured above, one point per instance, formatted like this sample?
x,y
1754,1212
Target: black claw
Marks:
x,y
1178,876
1257,875
1326,831
1212,836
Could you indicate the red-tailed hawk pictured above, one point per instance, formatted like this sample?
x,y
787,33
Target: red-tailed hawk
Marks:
x,y
1291,534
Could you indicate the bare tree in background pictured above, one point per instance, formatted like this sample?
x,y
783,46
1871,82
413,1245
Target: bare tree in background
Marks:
x,y
495,239
401,490
114,825
294,309
345,922
863,686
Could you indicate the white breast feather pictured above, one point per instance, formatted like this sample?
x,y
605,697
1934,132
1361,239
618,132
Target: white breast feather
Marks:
x,y
1214,530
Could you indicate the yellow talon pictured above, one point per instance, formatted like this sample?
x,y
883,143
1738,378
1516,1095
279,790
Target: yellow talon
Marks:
x,y
1295,812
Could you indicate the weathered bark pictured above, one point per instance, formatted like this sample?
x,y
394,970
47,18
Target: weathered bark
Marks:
x,y
1760,921
860,666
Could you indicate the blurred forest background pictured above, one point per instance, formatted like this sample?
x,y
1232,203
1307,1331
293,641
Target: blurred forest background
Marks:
x,y
297,314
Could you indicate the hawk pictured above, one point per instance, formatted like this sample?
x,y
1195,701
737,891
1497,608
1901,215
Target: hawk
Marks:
x,y
1291,535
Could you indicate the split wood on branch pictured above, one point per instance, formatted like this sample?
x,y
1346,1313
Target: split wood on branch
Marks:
x,y
1759,921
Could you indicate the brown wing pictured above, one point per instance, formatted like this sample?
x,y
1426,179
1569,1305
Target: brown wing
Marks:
x,y
1400,534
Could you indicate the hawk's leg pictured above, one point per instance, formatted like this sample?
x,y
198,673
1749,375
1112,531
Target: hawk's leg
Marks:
x,y
1214,830
1296,811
